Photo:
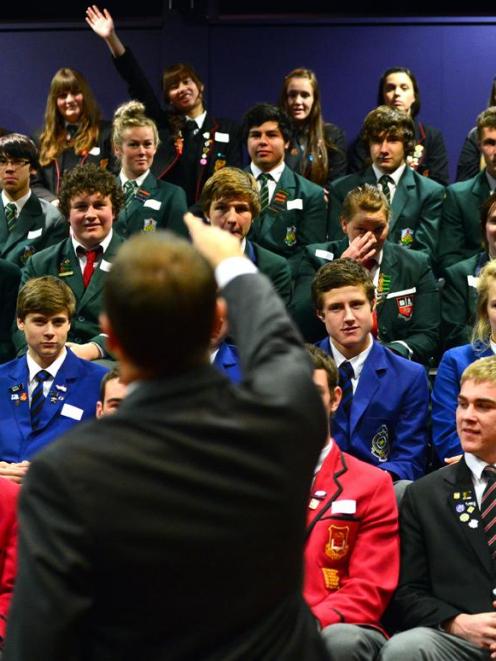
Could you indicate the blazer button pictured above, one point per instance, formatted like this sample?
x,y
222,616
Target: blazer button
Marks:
x,y
81,318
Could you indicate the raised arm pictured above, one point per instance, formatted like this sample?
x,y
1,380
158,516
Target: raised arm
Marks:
x,y
102,24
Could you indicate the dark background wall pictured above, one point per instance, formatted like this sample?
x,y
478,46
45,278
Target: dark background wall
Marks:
x,y
243,59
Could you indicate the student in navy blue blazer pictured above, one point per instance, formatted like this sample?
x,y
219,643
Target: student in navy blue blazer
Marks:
x,y
454,362
49,389
383,420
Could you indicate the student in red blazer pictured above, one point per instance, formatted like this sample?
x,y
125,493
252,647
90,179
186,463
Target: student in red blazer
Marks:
x,y
8,548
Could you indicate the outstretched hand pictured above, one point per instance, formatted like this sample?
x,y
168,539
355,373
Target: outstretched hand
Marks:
x,y
212,242
101,23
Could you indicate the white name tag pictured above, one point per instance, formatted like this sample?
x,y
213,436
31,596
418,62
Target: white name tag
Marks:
x,y
105,266
472,280
295,204
403,292
221,137
324,254
343,507
153,204
95,151
34,234
71,411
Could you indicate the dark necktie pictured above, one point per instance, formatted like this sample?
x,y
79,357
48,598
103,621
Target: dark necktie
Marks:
x,y
264,190
38,398
71,129
384,181
11,215
91,258
129,189
488,508
346,374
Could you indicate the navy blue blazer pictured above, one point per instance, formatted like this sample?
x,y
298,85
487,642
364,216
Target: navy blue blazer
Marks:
x,y
74,392
227,361
389,414
445,397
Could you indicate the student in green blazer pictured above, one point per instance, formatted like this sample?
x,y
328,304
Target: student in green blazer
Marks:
x,y
293,209
459,294
27,224
460,235
91,199
407,309
150,204
416,201
230,200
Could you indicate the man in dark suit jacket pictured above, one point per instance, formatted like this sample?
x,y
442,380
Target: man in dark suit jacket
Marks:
x,y
27,223
407,308
10,277
445,602
460,229
293,209
230,200
416,201
182,515
91,199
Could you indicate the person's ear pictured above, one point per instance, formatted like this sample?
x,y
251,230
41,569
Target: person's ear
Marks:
x,y
336,400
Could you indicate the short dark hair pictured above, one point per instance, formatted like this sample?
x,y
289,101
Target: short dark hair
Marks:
x,y
112,374
322,361
389,121
485,210
486,119
228,184
17,145
265,112
415,109
89,178
341,273
45,295
160,285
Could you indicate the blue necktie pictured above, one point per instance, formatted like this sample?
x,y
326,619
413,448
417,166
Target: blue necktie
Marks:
x,y
38,398
346,373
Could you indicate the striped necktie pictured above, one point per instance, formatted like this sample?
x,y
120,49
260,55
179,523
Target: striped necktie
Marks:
x,y
488,508
384,181
129,188
11,215
38,398
264,190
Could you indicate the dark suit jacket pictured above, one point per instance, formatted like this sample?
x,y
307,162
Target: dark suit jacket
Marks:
x,y
295,217
181,517
274,267
460,231
61,260
469,163
416,209
389,414
408,298
156,205
432,159
46,182
219,139
39,225
459,300
336,155
446,567
10,277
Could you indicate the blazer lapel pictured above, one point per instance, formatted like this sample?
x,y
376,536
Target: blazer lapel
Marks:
x,y
367,385
18,395
321,498
401,196
95,286
481,188
388,278
24,223
69,270
463,506
61,387
284,191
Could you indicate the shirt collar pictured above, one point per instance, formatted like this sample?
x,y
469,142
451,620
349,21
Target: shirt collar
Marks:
x,y
34,368
104,243
395,176
198,120
491,181
139,180
357,362
475,464
19,203
275,173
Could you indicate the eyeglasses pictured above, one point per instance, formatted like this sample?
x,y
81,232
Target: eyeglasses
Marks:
x,y
16,163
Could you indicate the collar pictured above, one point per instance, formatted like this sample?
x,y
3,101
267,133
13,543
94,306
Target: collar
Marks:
x,y
19,203
357,362
491,181
275,173
139,180
323,456
475,465
243,245
492,344
34,368
199,121
105,243
395,176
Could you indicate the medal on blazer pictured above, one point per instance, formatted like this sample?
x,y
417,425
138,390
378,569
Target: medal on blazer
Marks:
x,y
65,268
142,194
149,225
405,305
290,238
337,546
28,252
380,446
383,286
465,510
331,578
406,237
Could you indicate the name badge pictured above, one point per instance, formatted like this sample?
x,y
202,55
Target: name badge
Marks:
x,y
324,254
95,151
343,507
70,411
105,266
34,234
403,292
295,204
221,137
153,204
